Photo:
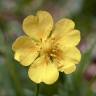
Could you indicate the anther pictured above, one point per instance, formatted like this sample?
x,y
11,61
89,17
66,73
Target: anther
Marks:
x,y
54,50
53,55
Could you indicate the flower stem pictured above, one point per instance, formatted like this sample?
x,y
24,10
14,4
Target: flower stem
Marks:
x,y
37,89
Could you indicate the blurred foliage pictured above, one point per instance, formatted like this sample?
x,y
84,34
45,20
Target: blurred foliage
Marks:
x,y
14,80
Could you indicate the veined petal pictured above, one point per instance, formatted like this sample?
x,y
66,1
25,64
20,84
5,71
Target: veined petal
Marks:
x,y
40,71
69,69
63,26
66,66
23,42
25,49
39,26
26,56
65,34
71,38
71,56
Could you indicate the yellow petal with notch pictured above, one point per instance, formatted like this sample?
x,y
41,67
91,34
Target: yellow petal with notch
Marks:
x,y
26,50
40,71
71,56
65,34
39,26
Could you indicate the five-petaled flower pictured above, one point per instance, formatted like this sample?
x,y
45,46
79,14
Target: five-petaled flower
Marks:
x,y
47,48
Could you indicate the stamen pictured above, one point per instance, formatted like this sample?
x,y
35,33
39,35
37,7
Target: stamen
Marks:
x,y
54,50
53,55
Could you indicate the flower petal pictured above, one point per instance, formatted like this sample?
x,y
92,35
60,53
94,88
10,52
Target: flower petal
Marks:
x,y
25,49
23,42
69,69
26,56
63,26
39,26
71,39
42,72
71,56
65,34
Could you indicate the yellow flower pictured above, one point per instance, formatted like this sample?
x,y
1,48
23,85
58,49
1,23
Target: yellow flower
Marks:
x,y
47,48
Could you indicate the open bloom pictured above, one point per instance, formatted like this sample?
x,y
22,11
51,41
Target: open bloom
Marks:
x,y
47,48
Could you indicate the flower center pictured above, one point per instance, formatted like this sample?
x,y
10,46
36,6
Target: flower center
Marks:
x,y
50,50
